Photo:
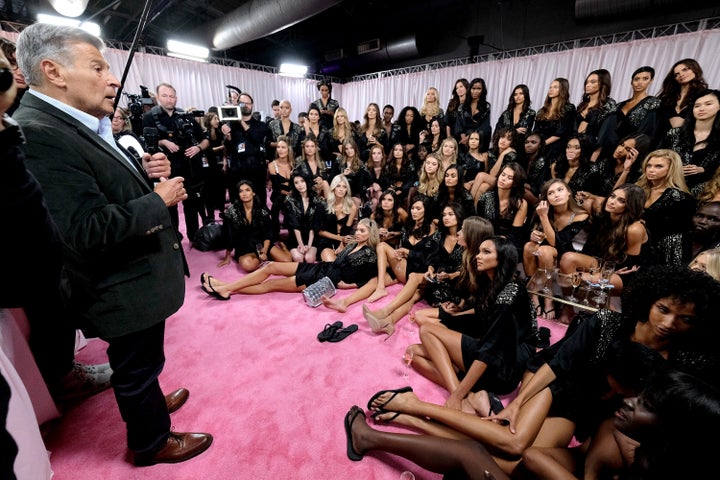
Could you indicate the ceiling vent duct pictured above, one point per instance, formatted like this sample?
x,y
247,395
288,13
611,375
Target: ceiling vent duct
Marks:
x,y
333,55
369,46
595,9
395,50
402,48
259,18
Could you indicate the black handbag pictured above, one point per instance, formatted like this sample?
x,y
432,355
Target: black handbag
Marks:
x,y
208,237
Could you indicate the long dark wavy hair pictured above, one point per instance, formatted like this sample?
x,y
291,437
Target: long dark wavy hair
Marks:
x,y
395,175
687,131
458,190
547,112
422,230
482,103
517,191
605,82
611,236
379,213
526,93
459,214
256,211
475,230
670,93
505,272
454,102
294,192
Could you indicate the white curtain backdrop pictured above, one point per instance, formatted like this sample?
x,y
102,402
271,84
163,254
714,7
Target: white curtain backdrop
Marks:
x,y
202,85
537,71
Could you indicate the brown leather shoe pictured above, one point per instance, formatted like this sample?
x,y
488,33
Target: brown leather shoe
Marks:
x,y
178,448
176,399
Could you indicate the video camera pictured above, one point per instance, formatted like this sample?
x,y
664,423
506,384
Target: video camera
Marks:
x,y
185,123
136,107
136,103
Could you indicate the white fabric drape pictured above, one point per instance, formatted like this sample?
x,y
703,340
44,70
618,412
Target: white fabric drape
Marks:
x,y
538,71
202,85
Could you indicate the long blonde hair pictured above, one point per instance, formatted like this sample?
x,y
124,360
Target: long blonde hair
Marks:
x,y
346,129
675,177
438,152
347,202
374,237
430,185
432,110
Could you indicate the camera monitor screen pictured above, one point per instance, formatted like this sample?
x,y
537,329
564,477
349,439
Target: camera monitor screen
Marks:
x,y
229,113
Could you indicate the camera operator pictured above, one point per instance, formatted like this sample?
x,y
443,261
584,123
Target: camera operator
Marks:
x,y
182,139
245,146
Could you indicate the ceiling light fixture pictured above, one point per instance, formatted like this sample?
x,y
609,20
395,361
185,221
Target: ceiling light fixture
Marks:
x,y
188,51
89,27
69,8
293,70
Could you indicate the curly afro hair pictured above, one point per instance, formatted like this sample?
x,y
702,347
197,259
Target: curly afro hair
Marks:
x,y
680,283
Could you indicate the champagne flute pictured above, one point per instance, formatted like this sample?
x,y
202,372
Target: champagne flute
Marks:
x,y
606,272
549,271
594,269
539,229
576,280
407,358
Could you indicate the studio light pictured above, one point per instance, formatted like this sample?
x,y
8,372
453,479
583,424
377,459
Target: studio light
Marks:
x,y
187,51
293,70
89,27
69,8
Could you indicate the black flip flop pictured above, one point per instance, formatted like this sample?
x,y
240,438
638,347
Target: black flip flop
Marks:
x,y
328,331
350,417
342,333
212,291
203,278
381,392
496,405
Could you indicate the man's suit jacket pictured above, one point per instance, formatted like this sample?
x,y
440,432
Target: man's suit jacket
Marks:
x,y
122,255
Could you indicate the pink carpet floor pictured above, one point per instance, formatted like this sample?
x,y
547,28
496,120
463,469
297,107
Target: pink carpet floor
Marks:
x,y
272,395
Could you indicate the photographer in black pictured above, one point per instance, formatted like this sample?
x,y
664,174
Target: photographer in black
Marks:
x,y
245,146
182,139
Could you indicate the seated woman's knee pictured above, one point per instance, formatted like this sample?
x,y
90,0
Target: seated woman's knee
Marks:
x,y
249,264
427,330
568,261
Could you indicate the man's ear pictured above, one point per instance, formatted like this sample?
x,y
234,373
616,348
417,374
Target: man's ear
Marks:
x,y
53,72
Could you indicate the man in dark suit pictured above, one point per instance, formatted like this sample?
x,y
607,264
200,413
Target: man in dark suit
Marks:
x,y
122,256
33,252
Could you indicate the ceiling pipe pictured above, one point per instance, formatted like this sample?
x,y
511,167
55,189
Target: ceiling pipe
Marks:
x,y
594,9
259,18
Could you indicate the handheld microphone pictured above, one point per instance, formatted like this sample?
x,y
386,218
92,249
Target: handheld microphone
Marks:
x,y
150,135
